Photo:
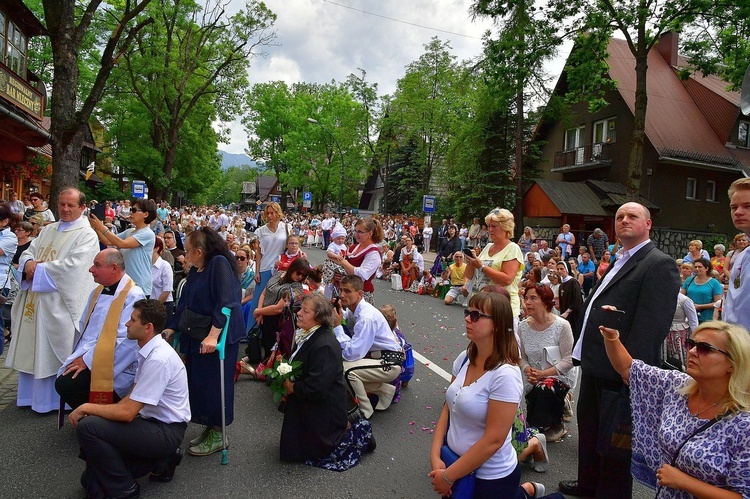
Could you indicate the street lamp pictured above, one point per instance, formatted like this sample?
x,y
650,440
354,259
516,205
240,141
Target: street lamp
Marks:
x,y
341,153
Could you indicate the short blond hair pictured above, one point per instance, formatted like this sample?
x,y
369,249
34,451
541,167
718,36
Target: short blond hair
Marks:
x,y
274,206
502,217
741,184
696,242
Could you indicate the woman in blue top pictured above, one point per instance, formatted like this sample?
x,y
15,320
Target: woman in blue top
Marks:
x,y
703,289
136,244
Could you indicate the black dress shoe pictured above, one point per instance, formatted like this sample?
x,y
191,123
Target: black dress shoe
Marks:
x,y
166,473
371,445
571,487
133,492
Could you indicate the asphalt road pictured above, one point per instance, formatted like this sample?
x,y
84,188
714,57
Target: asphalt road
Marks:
x,y
39,461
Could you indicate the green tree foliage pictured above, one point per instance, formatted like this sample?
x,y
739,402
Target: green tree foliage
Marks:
x,y
309,156
70,24
188,68
719,42
227,188
428,108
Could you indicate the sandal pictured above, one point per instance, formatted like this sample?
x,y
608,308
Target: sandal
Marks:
x,y
244,368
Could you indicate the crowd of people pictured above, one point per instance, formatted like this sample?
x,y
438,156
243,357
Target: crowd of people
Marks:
x,y
118,320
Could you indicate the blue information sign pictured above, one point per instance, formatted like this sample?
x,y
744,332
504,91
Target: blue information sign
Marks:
x,y
138,188
428,204
307,196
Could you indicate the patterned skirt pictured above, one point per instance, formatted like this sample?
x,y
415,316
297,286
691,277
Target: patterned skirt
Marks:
x,y
349,451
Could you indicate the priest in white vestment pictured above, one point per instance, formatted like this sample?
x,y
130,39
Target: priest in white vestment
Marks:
x,y
75,376
55,286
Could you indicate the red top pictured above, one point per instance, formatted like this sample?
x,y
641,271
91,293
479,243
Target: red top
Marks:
x,y
357,259
285,260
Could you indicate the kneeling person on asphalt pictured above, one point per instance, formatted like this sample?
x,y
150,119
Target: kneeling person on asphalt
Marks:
x,y
372,354
142,433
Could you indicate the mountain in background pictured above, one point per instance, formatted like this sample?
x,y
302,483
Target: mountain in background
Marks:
x,y
228,160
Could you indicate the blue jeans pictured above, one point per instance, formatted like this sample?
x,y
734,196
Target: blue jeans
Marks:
x,y
264,277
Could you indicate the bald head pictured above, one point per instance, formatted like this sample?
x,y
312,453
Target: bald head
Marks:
x,y
632,224
108,267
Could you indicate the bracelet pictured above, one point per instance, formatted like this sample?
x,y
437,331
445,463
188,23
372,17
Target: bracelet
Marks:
x,y
445,477
612,339
105,231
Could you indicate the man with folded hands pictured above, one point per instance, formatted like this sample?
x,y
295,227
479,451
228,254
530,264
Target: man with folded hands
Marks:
x,y
141,433
371,351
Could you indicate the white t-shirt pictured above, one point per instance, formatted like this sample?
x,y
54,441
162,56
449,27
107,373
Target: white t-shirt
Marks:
x,y
337,249
468,413
272,244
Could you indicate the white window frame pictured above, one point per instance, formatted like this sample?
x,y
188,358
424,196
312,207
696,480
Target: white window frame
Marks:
x,y
711,190
578,139
743,142
608,131
691,188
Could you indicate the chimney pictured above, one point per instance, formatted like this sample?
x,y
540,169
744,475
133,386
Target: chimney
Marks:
x,y
667,47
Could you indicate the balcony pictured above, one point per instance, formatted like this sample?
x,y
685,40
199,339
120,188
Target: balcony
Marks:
x,y
585,157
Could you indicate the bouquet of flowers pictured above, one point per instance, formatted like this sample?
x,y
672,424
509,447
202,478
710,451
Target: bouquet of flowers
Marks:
x,y
278,374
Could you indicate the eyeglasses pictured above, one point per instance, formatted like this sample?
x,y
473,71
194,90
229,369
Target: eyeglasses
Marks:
x,y
240,258
362,231
136,210
703,348
475,315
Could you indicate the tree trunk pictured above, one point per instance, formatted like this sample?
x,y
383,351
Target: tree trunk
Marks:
x,y
635,164
67,134
521,13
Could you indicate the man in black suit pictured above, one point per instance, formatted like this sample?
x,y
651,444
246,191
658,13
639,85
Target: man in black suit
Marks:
x,y
643,282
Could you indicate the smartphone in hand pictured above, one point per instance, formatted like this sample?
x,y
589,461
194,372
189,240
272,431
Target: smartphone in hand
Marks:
x,y
611,318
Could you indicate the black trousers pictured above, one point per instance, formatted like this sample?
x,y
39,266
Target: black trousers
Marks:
x,y
117,453
609,478
75,391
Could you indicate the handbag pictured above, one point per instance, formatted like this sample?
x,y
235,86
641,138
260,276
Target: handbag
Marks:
x,y
463,488
6,289
552,356
615,425
195,325
254,349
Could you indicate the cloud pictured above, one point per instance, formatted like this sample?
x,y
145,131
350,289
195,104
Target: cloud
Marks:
x,y
322,40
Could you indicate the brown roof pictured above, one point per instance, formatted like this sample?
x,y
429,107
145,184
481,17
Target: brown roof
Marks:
x,y
592,197
691,119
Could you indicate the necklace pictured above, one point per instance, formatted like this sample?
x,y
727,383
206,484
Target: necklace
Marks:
x,y
707,408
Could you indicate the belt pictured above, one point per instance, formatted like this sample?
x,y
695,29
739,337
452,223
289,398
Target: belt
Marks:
x,y
390,356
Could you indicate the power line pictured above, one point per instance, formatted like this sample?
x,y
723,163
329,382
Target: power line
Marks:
x,y
400,20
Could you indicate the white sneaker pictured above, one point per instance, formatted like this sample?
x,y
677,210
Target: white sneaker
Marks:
x,y
541,466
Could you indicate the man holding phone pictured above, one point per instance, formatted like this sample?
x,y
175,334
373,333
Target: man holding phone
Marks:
x,y
642,285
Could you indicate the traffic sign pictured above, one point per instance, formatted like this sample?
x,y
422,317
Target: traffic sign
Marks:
x,y
428,204
307,196
138,188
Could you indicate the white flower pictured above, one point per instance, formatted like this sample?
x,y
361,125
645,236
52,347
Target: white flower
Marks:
x,y
284,369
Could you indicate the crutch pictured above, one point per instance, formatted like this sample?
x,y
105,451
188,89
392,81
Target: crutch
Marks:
x,y
220,347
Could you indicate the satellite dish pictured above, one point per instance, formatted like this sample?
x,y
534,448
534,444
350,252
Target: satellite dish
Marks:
x,y
745,94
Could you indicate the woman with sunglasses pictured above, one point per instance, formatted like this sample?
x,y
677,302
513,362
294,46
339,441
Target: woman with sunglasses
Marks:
x,y
500,262
674,448
481,405
247,279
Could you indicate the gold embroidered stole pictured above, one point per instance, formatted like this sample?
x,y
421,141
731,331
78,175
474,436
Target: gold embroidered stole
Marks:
x,y
103,365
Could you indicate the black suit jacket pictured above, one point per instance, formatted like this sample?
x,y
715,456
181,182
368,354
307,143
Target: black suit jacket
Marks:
x,y
315,414
646,289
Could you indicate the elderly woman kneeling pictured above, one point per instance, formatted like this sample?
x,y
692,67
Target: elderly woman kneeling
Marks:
x,y
315,428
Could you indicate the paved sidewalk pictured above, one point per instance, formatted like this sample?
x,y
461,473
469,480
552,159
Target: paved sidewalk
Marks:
x,y
8,382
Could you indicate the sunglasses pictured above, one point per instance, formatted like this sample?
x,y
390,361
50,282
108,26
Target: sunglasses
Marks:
x,y
475,315
136,210
703,348
241,258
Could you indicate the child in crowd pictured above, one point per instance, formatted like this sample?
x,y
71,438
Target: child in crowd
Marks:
x,y
291,254
407,368
426,284
314,281
332,271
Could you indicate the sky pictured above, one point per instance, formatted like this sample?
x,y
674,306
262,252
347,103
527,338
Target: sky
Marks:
x,y
322,40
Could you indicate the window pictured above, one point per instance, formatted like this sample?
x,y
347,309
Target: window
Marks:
x,y
743,134
15,53
2,35
604,131
692,185
574,138
710,190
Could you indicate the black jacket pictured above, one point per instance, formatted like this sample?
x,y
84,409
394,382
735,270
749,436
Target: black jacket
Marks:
x,y
315,414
